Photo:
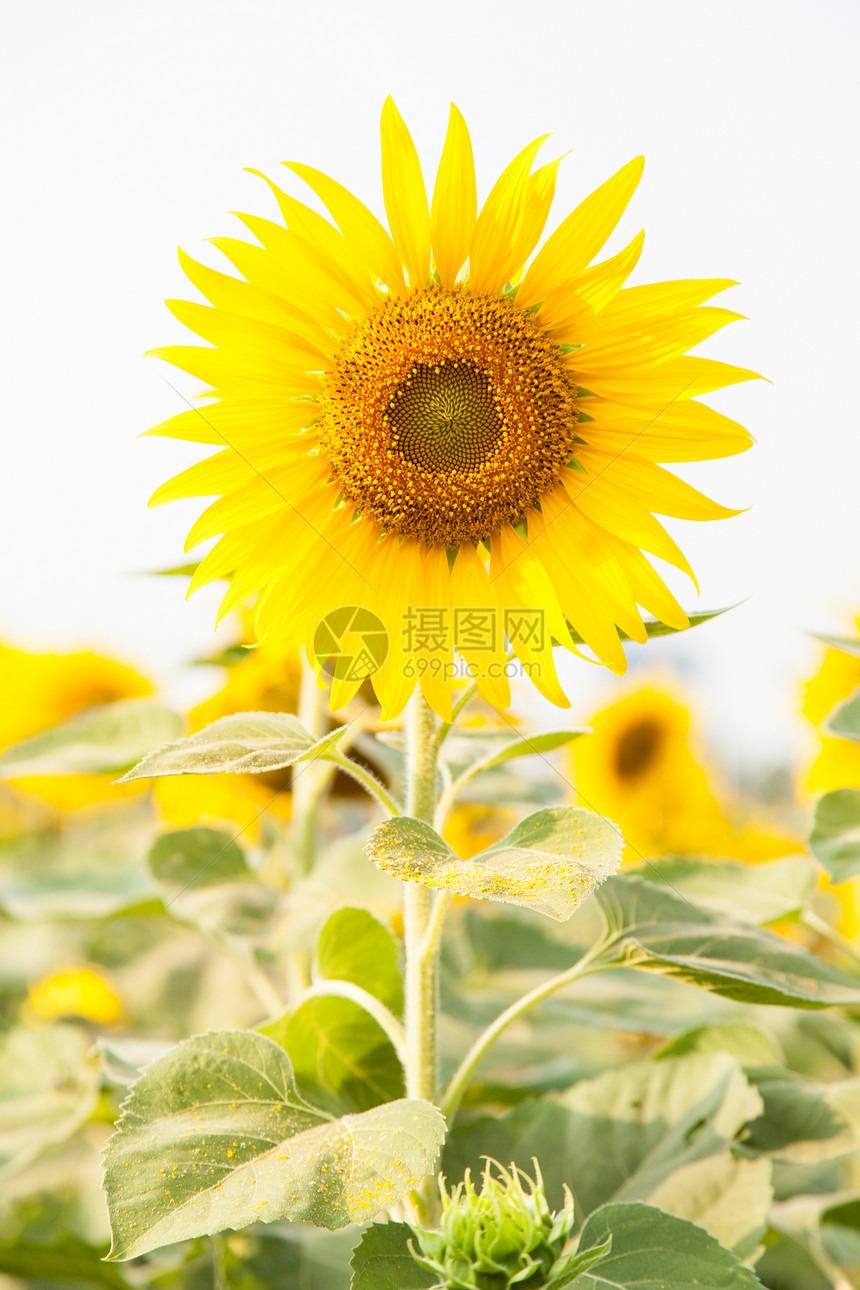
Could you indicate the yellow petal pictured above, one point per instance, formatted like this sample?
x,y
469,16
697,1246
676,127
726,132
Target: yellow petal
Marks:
x,y
658,489
684,431
540,191
493,252
398,588
643,341
615,509
533,616
310,272
359,226
478,626
229,470
662,297
325,244
569,307
667,383
553,534
263,269
436,657
262,340
219,369
239,297
649,588
405,196
240,424
578,239
455,201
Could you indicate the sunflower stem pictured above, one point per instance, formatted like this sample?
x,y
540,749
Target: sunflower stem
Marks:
x,y
590,962
310,779
422,932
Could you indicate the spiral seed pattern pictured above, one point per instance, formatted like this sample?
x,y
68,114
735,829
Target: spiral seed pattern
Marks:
x,y
447,415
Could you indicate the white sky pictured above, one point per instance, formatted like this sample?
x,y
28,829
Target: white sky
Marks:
x,y
128,128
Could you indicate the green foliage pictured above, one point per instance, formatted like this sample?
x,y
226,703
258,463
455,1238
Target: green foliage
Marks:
x,y
48,1089
662,1132
551,862
845,644
770,892
804,1122
90,869
384,1261
65,1262
651,928
215,1134
195,857
654,627
468,753
341,1057
844,720
673,1115
353,946
102,739
242,744
654,1249
835,836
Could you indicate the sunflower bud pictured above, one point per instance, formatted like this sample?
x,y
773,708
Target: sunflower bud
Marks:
x,y
500,1236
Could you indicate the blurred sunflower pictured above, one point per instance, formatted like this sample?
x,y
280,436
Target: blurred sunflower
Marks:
x,y
836,763
642,767
417,423
40,690
81,992
266,680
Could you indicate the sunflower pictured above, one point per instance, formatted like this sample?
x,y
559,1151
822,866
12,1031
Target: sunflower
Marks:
x,y
441,426
38,691
837,761
642,767
82,991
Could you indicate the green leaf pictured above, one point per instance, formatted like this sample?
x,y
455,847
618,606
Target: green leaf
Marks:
x,y
650,928
286,1256
652,1250
354,946
214,1135
551,862
341,1057
197,857
242,744
176,570
750,1045
835,836
804,1123
746,893
67,1261
847,644
844,720
661,1132
48,1088
654,627
86,869
566,1269
467,753
840,1236
102,739
382,1261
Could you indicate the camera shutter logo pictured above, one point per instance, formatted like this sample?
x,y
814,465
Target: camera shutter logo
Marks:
x,y
350,643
